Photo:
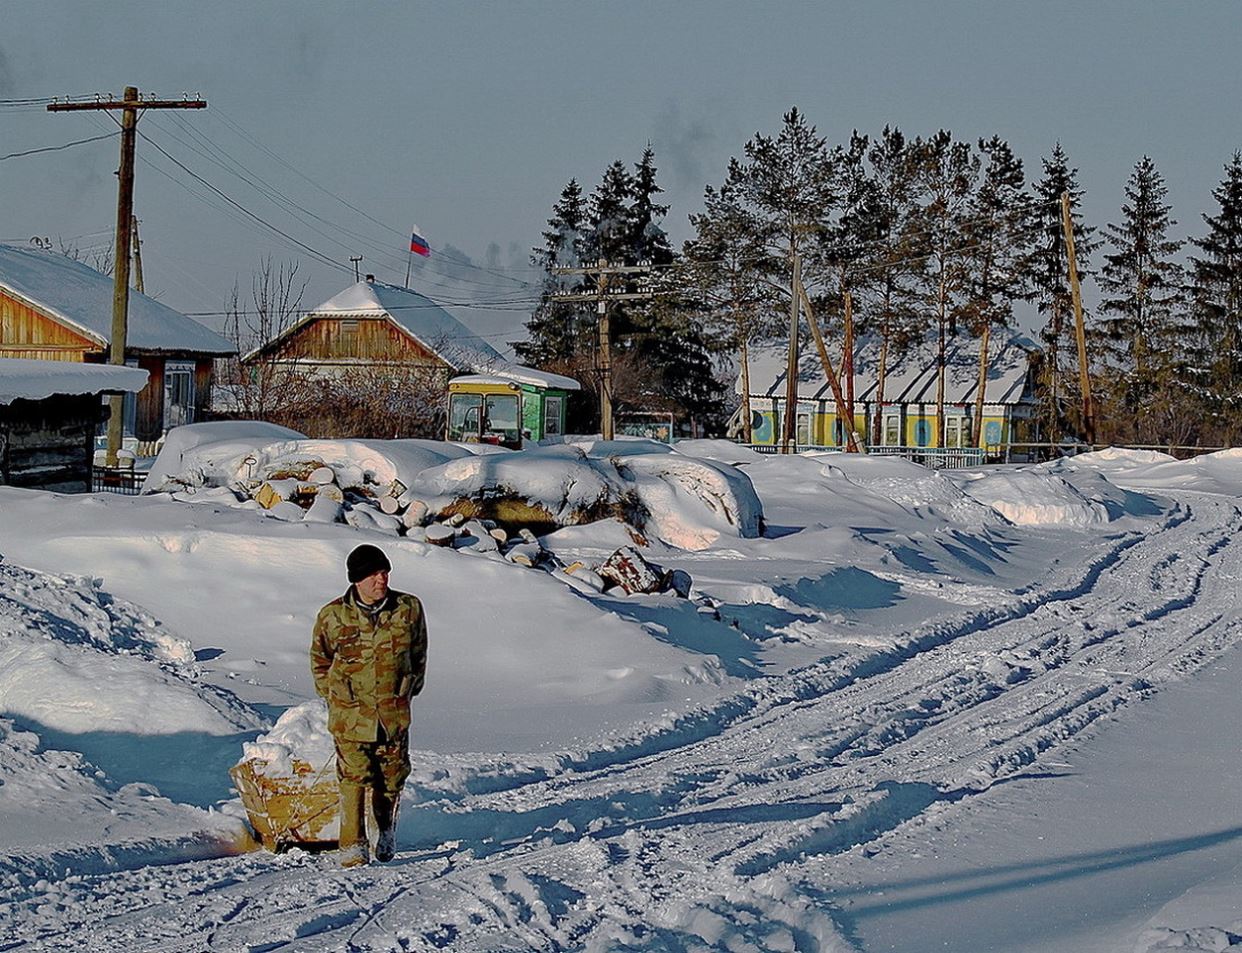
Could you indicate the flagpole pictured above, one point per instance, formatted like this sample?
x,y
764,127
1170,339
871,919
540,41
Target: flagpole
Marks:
x,y
408,262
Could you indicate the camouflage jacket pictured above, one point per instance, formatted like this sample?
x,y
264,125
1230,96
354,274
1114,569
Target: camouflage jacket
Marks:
x,y
368,668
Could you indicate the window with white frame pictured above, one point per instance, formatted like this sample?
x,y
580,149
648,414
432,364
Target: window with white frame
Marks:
x,y
178,393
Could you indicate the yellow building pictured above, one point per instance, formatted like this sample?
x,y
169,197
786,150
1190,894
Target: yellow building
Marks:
x,y
908,412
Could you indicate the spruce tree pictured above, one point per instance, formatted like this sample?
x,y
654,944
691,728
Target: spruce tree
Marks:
x,y
1142,282
556,328
719,273
1217,302
1061,406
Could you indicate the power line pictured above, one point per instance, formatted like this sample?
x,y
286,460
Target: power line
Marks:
x,y
67,145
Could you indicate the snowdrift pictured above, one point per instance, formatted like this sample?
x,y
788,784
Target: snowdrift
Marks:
x,y
74,659
1030,498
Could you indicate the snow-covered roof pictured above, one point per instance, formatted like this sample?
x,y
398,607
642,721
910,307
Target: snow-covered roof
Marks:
x,y
79,297
909,380
419,316
520,374
34,380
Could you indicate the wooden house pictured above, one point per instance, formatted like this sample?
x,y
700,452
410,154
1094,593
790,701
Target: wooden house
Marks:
x,y
375,325
55,309
908,413
49,412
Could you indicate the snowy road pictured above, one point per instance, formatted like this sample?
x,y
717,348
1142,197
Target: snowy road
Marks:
x,y
729,828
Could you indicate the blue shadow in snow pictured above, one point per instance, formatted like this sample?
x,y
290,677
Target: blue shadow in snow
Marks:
x,y
189,767
686,628
760,621
1006,878
846,587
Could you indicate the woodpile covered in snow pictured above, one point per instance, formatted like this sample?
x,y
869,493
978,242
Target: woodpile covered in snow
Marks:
x,y
443,494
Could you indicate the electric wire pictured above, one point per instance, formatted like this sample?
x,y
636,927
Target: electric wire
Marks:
x,y
67,145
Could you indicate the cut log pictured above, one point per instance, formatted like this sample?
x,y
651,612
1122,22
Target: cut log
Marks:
x,y
457,519
322,476
415,513
440,535
389,505
524,554
272,492
499,535
527,536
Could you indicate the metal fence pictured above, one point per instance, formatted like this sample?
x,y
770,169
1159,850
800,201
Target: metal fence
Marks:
x,y
124,480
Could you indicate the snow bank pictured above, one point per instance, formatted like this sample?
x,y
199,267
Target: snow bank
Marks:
x,y
723,451
1030,498
1219,472
74,659
213,449
1110,458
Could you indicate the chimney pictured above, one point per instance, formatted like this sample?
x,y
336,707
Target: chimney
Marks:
x,y
370,279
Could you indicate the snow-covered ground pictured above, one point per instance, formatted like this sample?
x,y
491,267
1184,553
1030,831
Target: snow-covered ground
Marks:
x,y
873,723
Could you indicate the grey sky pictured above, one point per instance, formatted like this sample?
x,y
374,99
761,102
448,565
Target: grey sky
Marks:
x,y
468,118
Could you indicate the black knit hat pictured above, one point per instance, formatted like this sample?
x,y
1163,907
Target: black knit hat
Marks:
x,y
365,560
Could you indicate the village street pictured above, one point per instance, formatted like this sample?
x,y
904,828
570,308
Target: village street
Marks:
x,y
754,822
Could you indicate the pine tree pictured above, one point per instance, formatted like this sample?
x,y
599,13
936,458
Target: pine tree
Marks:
x,y
1062,398
719,273
998,239
948,172
1142,282
556,328
786,187
897,262
1217,303
611,230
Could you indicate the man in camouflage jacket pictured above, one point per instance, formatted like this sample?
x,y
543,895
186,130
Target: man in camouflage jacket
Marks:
x,y
369,657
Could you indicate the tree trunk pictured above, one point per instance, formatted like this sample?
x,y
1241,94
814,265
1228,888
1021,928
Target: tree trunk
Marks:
x,y
847,369
941,298
977,435
747,429
877,425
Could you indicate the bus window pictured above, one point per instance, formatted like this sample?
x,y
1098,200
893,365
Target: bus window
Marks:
x,y
464,417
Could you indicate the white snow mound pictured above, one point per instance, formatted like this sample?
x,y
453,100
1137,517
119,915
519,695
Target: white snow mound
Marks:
x,y
75,659
1031,498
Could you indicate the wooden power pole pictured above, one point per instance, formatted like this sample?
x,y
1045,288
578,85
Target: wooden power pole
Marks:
x,y
129,105
137,259
1084,375
602,296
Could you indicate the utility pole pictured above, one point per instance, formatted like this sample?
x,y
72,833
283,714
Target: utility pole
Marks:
x,y
356,259
602,271
129,105
137,258
789,443
1084,375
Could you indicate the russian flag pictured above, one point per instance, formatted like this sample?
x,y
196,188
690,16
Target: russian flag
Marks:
x,y
418,244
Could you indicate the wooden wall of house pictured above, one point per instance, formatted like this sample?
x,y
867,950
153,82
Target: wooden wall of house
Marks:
x,y
26,333
149,409
49,443
204,377
365,339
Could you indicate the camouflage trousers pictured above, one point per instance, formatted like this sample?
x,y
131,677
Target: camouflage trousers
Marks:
x,y
378,765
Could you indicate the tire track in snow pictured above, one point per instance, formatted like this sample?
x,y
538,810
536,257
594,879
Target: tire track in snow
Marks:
x,y
812,763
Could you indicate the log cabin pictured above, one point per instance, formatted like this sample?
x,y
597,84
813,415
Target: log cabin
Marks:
x,y
53,308
376,325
